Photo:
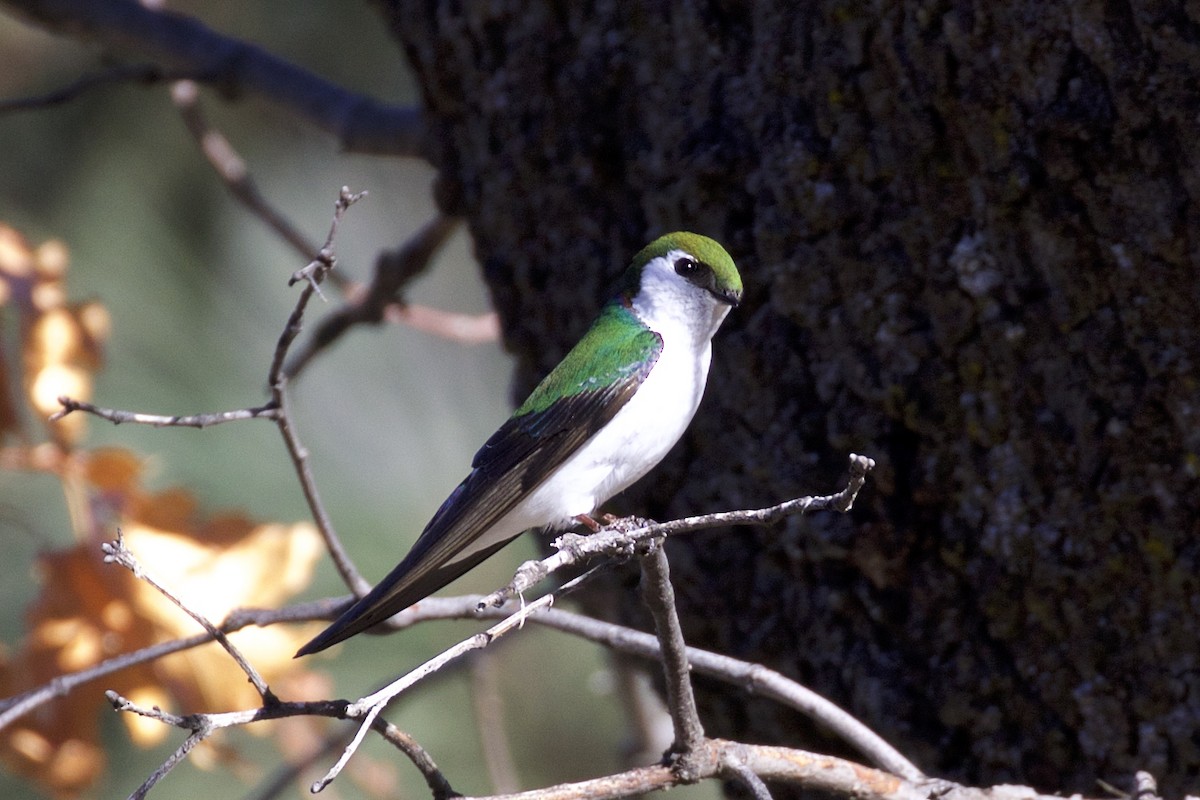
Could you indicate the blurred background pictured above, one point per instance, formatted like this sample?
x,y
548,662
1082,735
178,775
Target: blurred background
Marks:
x,y
197,292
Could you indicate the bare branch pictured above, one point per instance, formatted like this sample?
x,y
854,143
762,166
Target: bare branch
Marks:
x,y
819,772
489,722
461,328
618,540
734,767
117,553
659,597
379,302
312,275
146,74
763,682
809,770
19,705
752,678
184,45
777,764
435,779
368,708
650,730
203,725
393,270
713,758
175,758
118,417
278,409
231,168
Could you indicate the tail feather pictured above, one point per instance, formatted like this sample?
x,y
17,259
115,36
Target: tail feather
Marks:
x,y
405,585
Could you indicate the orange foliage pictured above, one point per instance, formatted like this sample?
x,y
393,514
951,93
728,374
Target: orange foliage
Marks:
x,y
89,611
60,341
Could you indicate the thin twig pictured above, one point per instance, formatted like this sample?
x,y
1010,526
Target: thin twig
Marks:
x,y
435,779
189,48
732,766
117,553
278,409
393,271
659,597
368,708
146,74
312,275
203,725
175,758
119,417
617,539
489,722
231,168
752,678
375,303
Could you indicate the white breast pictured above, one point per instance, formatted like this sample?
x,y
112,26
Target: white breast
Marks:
x,y
636,439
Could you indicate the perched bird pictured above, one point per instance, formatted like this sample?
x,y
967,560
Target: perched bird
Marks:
x,y
600,420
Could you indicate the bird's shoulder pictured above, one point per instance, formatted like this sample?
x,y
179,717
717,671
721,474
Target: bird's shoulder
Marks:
x,y
579,396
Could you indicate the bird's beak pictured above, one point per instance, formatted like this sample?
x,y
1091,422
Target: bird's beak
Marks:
x,y
730,297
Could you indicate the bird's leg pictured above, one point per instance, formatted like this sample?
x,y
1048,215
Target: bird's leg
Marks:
x,y
589,523
524,616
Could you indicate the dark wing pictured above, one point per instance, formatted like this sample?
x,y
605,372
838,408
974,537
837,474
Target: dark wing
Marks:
x,y
539,437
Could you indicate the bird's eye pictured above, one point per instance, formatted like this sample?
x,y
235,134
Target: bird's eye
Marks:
x,y
686,267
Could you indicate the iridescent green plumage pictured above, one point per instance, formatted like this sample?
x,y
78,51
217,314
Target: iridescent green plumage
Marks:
x,y
615,348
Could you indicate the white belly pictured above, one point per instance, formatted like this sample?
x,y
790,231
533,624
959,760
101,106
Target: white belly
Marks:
x,y
632,444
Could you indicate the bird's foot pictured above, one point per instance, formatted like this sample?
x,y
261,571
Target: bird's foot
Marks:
x,y
589,523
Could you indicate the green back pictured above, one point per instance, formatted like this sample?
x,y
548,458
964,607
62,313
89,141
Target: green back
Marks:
x,y
616,348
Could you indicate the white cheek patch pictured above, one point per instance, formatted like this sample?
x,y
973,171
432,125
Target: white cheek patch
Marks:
x,y
669,302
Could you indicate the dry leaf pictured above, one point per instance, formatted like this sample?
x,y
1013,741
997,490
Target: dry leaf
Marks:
x,y
89,611
60,342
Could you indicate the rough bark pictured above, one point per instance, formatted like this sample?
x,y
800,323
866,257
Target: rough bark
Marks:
x,y
970,239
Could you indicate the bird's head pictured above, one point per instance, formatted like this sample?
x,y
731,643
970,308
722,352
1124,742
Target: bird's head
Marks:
x,y
683,274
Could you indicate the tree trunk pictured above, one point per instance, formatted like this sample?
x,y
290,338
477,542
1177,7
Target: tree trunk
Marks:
x,y
970,241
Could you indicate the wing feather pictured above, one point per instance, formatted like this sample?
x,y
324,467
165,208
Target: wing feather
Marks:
x,y
557,419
